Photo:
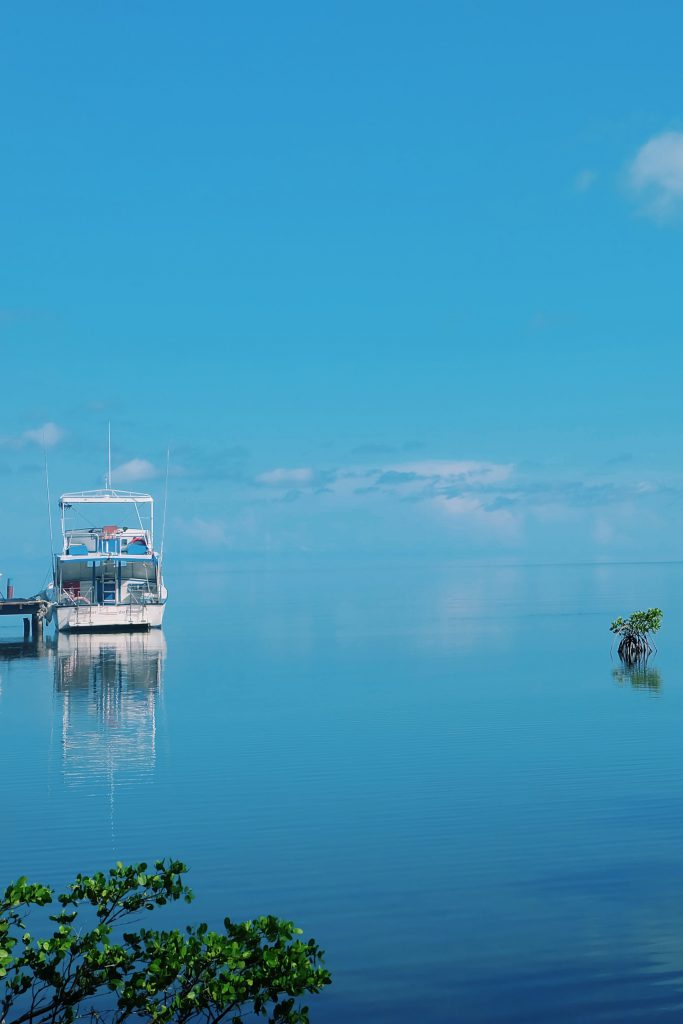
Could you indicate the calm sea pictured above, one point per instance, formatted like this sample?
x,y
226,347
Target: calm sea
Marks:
x,y
437,772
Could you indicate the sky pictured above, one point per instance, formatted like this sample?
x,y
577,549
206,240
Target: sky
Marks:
x,y
388,279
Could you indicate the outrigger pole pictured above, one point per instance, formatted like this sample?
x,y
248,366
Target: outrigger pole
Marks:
x,y
109,463
49,505
163,525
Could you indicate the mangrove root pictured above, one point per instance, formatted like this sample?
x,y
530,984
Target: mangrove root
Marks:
x,y
634,649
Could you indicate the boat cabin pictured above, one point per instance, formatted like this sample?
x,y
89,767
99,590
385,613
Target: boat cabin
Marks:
x,y
107,565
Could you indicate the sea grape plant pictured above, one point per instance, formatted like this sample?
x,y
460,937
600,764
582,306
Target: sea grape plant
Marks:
x,y
93,964
636,634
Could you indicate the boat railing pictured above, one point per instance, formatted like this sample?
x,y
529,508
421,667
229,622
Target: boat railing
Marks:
x,y
143,595
82,596
137,596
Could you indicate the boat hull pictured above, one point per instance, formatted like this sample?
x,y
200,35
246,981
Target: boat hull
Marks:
x,y
121,618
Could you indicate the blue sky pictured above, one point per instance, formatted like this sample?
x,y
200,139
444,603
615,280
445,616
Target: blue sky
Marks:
x,y
389,278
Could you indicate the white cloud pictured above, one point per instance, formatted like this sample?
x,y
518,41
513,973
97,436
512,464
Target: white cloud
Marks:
x,y
656,174
470,510
455,507
461,506
286,477
49,435
584,179
134,469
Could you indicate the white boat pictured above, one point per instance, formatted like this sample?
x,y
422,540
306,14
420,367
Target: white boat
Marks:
x,y
107,577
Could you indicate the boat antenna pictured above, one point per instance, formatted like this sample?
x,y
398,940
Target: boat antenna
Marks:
x,y
163,524
49,504
109,473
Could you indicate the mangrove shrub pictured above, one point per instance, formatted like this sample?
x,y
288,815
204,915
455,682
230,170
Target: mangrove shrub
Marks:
x,y
636,633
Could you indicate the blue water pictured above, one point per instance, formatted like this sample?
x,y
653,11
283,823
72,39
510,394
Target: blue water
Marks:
x,y
438,772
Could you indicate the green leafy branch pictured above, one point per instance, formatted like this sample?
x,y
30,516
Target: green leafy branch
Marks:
x,y
260,967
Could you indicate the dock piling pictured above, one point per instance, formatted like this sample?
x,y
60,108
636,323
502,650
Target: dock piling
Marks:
x,y
33,610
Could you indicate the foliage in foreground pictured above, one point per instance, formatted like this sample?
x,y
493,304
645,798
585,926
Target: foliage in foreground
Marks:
x,y
91,965
636,633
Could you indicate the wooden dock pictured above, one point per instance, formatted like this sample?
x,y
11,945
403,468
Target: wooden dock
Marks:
x,y
34,610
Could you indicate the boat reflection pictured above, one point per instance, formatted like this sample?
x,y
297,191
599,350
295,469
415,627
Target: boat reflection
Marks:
x,y
109,688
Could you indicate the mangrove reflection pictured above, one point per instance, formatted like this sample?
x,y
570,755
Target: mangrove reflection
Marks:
x,y
108,687
640,676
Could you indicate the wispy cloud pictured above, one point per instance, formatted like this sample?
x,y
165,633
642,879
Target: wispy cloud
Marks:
x,y
222,463
373,449
460,506
457,471
211,532
493,504
134,470
48,435
584,180
282,477
655,175
414,479
426,479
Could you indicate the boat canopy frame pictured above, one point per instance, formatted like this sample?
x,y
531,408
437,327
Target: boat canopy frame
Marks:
x,y
108,496
104,496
